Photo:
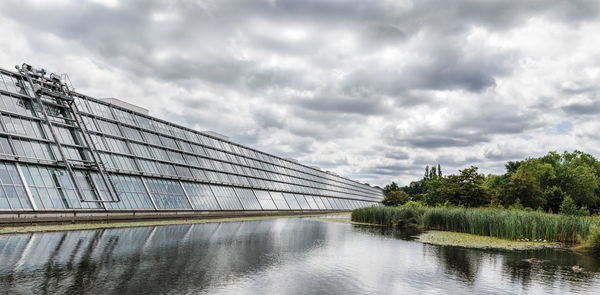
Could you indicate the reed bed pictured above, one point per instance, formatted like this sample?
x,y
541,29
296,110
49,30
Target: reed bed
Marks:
x,y
389,216
499,223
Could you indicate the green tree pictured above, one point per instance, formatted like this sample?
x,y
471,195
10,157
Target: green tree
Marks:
x,y
511,167
581,183
432,197
517,205
495,201
568,207
395,198
415,189
466,188
525,187
543,172
583,211
554,196
391,188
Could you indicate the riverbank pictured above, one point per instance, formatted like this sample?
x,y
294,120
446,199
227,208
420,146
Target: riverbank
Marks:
x,y
509,226
92,226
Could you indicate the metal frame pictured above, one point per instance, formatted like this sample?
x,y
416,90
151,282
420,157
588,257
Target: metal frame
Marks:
x,y
65,96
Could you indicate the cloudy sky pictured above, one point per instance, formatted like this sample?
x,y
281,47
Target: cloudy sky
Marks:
x,y
372,90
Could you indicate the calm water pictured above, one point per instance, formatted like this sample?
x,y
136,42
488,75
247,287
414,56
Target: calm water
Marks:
x,y
280,256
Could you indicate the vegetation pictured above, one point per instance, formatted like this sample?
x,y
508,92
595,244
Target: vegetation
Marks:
x,y
395,198
549,198
446,238
567,183
493,222
408,215
593,241
592,244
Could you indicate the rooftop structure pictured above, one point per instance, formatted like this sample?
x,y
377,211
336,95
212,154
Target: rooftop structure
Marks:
x,y
63,150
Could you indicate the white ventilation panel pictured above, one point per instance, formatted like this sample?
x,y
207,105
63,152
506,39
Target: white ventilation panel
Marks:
x,y
217,135
126,105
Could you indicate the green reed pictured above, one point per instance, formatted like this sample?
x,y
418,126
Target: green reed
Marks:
x,y
500,223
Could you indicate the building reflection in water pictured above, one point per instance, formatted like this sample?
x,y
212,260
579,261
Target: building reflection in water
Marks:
x,y
283,256
154,259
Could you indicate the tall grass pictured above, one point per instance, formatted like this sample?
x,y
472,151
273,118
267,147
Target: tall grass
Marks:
x,y
592,244
500,223
389,216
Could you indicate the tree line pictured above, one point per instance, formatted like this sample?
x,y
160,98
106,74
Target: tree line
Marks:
x,y
566,183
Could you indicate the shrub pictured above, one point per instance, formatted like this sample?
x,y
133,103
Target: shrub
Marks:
x,y
593,241
583,211
568,207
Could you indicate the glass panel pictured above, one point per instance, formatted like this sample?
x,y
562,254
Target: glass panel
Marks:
x,y
334,203
109,128
319,203
140,150
311,203
124,117
302,202
151,138
4,146
52,188
265,200
345,203
16,105
226,197
23,127
132,134
12,192
168,142
100,109
326,203
131,192
167,194
247,198
201,196
279,201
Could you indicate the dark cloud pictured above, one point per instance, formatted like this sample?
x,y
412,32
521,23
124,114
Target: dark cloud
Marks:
x,y
445,161
582,108
503,154
395,169
429,141
397,155
468,128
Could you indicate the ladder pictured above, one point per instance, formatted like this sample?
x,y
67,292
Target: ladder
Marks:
x,y
59,88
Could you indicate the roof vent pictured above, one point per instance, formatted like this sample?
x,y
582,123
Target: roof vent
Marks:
x,y
126,105
217,135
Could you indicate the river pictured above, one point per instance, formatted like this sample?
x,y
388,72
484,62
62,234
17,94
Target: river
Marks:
x,y
276,256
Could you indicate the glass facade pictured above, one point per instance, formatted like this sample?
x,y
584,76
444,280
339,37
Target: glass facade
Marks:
x,y
152,164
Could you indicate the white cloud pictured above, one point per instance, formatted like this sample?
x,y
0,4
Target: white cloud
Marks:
x,y
373,91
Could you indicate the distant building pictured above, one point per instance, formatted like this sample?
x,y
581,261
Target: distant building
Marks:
x,y
120,158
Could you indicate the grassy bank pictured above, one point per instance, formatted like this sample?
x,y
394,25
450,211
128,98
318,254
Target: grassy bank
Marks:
x,y
498,223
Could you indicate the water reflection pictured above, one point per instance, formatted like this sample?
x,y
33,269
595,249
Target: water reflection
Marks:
x,y
281,256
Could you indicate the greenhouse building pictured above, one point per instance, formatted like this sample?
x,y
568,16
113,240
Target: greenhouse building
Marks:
x,y
64,155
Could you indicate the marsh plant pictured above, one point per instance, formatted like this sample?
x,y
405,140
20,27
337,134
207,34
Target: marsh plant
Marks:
x,y
493,222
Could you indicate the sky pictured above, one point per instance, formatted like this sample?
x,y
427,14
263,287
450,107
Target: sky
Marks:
x,y
371,90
